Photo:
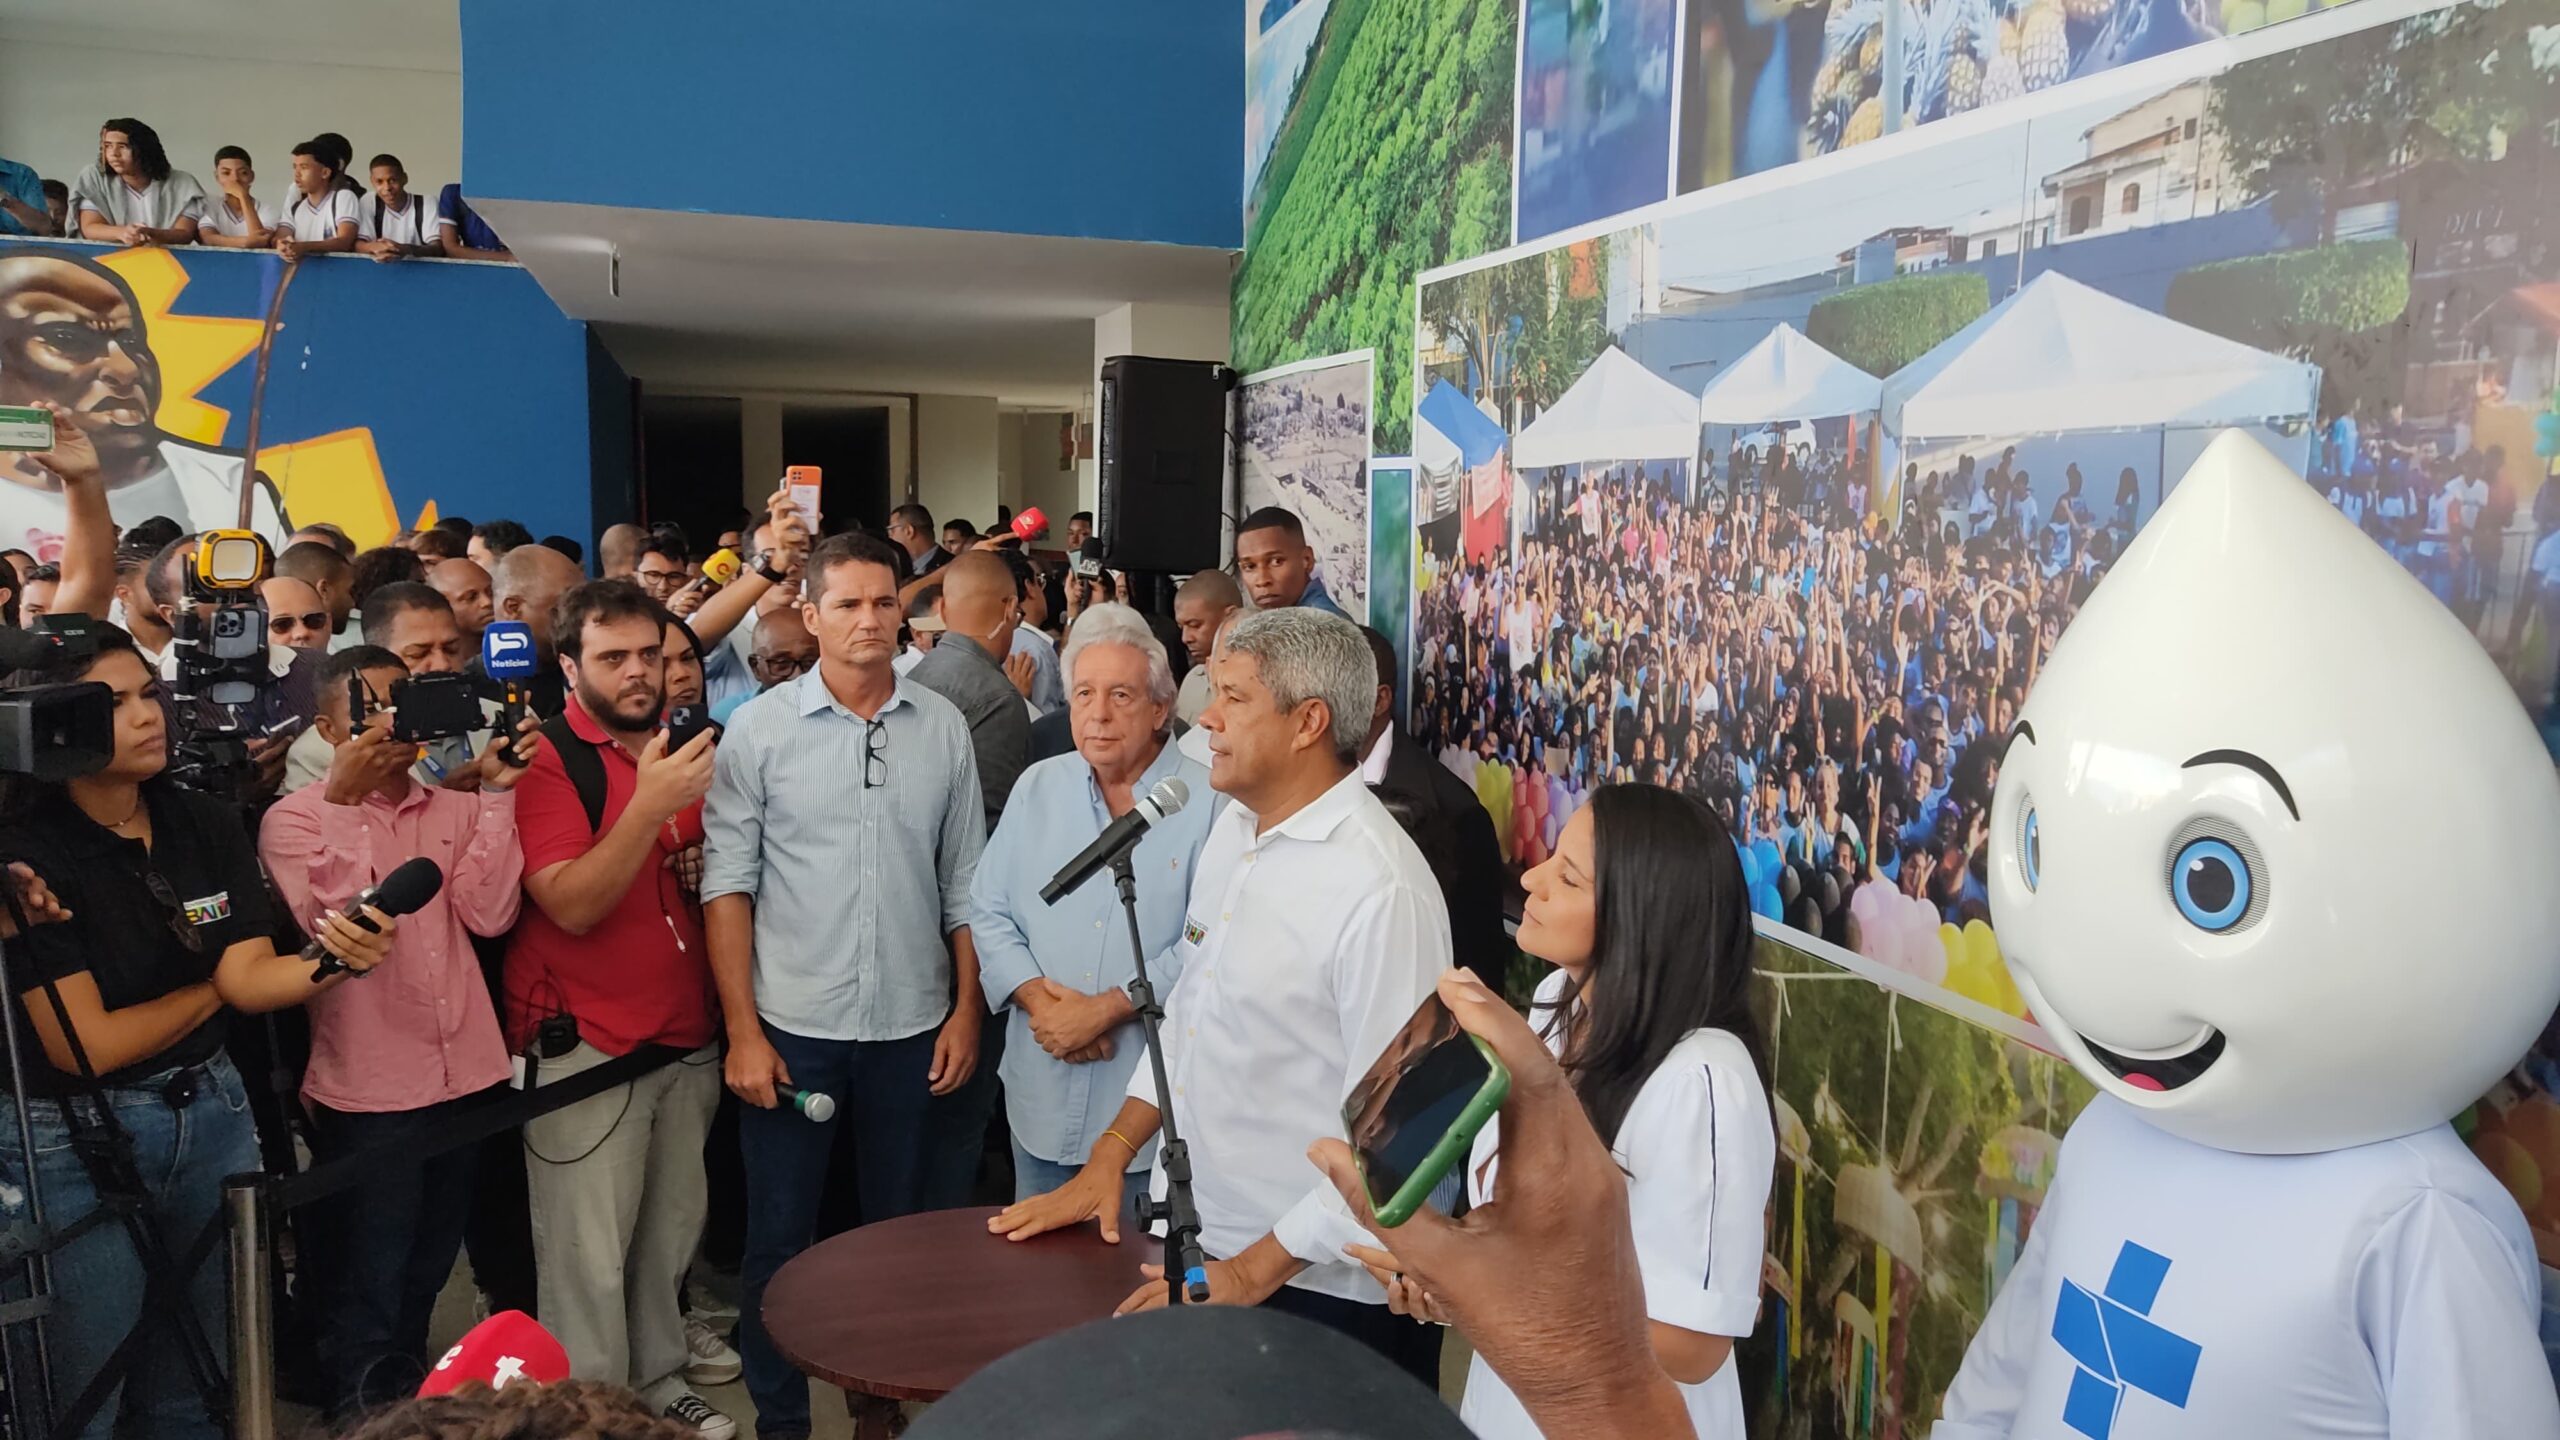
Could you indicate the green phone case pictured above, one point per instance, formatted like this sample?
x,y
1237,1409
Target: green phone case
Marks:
x,y
1454,1144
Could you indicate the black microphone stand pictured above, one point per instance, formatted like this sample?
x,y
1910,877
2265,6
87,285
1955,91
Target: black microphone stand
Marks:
x,y
1181,1217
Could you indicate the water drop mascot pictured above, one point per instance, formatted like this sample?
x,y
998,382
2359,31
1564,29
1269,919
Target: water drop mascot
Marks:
x,y
2275,860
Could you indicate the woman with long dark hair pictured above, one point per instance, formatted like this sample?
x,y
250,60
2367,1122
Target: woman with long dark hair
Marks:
x,y
158,929
1643,911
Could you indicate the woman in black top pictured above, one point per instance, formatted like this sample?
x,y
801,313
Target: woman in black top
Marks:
x,y
162,928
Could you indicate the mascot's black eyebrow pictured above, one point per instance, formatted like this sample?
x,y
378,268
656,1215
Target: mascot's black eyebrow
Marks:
x,y
2247,761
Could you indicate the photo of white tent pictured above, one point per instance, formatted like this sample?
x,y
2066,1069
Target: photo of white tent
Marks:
x,y
1787,379
1458,449
1617,410
2062,358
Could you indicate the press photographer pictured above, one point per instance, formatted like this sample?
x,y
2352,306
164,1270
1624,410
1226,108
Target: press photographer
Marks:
x,y
393,1059
162,926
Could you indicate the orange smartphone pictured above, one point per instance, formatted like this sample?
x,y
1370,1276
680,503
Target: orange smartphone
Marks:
x,y
802,481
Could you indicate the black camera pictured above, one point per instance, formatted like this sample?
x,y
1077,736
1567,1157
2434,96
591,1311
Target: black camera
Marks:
x,y
423,707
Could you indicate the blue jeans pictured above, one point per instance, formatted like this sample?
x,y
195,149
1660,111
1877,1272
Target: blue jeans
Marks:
x,y
183,1155
880,1090
389,1244
1035,1176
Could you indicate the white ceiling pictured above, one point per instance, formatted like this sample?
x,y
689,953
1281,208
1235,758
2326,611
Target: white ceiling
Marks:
x,y
391,34
728,303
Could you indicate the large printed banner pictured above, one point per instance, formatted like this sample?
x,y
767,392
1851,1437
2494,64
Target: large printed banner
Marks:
x,y
1932,389
395,392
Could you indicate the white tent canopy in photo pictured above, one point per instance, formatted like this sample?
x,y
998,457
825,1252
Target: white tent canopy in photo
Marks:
x,y
2060,356
1617,410
1787,379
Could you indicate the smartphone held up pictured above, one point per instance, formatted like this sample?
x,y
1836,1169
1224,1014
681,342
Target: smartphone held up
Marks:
x,y
1414,1116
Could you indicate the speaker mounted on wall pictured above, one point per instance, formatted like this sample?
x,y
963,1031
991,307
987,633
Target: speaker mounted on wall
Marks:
x,y
1162,462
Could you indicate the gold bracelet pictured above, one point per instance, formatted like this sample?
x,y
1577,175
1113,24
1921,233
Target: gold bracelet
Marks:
x,y
1123,1139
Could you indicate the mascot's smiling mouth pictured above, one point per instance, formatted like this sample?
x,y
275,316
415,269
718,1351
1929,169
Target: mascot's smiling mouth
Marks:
x,y
2160,1073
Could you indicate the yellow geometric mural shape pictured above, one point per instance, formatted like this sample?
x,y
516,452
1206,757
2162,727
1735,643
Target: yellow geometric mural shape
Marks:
x,y
337,478
194,350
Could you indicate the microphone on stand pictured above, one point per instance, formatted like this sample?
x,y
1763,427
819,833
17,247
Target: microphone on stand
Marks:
x,y
410,885
1169,796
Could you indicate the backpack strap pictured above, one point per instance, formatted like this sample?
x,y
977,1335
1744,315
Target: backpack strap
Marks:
x,y
584,766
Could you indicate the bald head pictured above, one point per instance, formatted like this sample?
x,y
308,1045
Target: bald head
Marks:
x,y
978,592
318,564
783,649
618,550
529,580
465,586
1200,605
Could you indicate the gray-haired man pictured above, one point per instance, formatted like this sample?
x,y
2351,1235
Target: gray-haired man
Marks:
x,y
1313,931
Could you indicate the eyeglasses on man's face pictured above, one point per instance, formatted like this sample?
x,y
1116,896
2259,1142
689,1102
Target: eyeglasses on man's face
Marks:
x,y
658,582
283,625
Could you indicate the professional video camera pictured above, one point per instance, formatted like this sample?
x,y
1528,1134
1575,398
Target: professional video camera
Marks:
x,y
222,671
54,731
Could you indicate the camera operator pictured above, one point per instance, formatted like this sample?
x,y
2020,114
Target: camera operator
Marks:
x,y
164,930
392,1059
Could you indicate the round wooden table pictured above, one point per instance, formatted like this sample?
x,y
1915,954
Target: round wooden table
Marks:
x,y
908,1308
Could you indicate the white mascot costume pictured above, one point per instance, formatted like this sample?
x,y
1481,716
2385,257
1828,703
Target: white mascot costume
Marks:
x,y
2275,859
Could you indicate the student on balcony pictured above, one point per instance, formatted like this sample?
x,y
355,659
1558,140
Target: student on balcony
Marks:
x,y
238,219
131,196
320,219
395,224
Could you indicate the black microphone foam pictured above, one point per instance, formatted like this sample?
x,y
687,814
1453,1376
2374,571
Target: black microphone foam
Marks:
x,y
410,885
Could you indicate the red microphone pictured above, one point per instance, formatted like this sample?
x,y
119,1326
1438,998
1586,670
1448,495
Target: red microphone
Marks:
x,y
507,1347
1029,524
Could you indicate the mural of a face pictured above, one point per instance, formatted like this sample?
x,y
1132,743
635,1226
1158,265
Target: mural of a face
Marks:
x,y
69,333
2273,848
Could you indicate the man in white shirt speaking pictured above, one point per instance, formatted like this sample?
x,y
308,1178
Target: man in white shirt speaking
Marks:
x,y
1314,930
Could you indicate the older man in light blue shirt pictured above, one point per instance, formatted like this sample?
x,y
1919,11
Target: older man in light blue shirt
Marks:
x,y
1057,972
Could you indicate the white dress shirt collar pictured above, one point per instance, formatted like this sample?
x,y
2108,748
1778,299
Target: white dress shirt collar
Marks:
x,y
1373,769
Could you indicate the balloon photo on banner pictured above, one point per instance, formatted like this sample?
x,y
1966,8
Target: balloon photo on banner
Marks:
x,y
1782,495
1302,443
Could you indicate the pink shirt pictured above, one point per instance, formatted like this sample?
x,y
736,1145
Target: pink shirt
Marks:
x,y
420,1028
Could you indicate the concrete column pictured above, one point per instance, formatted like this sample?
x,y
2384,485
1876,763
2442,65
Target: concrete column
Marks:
x,y
1169,331
760,458
956,456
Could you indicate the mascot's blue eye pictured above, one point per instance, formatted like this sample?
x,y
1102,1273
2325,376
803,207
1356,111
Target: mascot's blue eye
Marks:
x,y
2213,878
2031,847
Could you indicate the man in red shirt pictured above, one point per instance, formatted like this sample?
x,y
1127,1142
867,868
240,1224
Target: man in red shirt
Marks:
x,y
612,946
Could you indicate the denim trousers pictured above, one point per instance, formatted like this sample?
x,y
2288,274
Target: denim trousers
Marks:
x,y
389,1246
183,1154
879,1088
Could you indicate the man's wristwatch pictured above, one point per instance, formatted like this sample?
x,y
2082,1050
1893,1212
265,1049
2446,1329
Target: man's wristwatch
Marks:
x,y
763,565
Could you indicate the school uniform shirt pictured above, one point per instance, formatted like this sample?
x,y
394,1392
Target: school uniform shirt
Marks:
x,y
160,204
220,219
411,224
319,219
1699,1152
2170,1289
1304,950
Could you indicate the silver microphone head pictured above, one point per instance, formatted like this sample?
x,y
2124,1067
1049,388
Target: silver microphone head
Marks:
x,y
818,1107
1169,796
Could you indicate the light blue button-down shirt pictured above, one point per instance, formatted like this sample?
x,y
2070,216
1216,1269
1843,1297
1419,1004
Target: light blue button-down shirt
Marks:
x,y
856,888
1058,1110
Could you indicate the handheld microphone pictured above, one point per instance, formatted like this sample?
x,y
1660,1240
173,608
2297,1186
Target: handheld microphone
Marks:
x,y
1029,524
718,568
508,657
410,885
1169,796
810,1103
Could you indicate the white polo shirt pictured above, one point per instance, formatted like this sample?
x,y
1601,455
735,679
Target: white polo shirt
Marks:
x,y
219,220
1304,951
310,219
1700,1152
413,225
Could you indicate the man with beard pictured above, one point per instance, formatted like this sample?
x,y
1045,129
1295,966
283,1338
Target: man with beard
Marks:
x,y
72,333
611,942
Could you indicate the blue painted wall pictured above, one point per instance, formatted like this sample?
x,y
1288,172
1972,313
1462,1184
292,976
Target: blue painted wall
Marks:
x,y
474,390
1117,119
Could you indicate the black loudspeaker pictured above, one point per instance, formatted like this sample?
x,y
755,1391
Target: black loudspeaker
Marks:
x,y
1162,457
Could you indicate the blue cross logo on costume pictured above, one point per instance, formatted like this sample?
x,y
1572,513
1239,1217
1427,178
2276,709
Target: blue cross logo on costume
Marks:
x,y
2118,1346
